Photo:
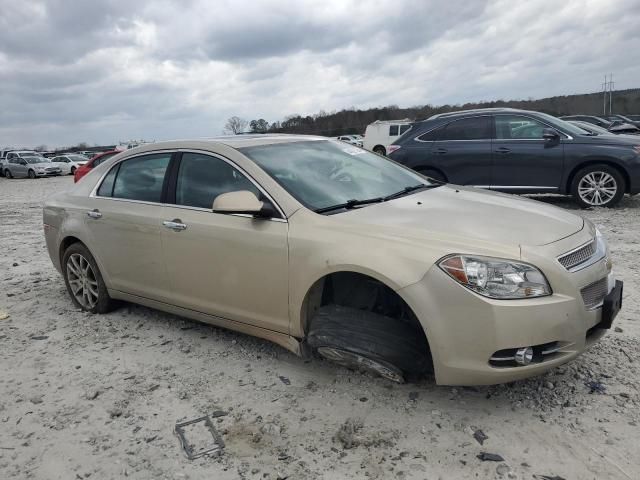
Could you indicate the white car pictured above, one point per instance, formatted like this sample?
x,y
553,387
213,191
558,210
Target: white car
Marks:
x,y
382,133
352,139
69,163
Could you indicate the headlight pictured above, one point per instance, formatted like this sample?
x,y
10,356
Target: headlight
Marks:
x,y
496,277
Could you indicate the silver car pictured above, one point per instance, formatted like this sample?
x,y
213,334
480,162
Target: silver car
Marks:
x,y
31,167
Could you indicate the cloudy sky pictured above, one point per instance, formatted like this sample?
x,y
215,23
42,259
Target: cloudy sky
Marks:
x,y
101,71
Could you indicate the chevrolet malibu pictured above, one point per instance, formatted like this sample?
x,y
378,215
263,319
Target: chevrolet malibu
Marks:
x,y
322,246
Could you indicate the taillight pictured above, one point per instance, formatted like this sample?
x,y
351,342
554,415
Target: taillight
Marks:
x,y
393,148
637,148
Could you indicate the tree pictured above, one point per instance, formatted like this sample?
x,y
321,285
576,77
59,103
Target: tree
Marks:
x,y
235,125
41,148
259,126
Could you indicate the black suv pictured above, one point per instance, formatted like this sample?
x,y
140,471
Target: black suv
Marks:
x,y
518,151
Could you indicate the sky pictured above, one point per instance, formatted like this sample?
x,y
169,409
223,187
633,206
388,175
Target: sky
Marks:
x,y
104,71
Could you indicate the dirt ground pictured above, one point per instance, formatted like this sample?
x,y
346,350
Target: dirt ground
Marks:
x,y
86,396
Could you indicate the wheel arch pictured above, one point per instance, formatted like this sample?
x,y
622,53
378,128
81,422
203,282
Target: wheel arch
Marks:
x,y
66,243
379,145
316,296
588,163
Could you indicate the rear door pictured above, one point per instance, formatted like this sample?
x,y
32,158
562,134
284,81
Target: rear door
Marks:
x,y
462,151
124,219
522,159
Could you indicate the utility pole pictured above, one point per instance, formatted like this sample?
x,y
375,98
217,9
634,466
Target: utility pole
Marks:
x,y
610,93
604,96
607,85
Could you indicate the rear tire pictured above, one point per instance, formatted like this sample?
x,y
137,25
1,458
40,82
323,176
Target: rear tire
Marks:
x,y
84,281
380,150
598,186
363,340
7,173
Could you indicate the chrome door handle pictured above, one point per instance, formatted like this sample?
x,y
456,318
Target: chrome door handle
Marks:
x,y
94,213
176,225
503,150
441,151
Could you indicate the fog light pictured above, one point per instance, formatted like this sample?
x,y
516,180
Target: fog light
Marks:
x,y
524,356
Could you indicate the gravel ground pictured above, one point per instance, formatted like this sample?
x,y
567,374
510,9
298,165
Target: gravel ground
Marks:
x,y
85,396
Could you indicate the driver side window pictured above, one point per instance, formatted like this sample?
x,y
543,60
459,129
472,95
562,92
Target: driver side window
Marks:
x,y
518,127
201,178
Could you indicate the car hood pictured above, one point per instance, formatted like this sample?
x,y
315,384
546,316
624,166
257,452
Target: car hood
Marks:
x,y
621,140
466,213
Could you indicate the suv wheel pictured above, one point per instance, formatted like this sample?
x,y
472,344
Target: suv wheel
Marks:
x,y
32,174
598,186
84,281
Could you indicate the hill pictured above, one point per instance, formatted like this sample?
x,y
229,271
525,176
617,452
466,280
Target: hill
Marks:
x,y
355,121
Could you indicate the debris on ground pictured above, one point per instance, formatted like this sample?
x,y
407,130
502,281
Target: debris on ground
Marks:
x,y
480,436
351,434
596,387
198,437
490,457
285,380
3,315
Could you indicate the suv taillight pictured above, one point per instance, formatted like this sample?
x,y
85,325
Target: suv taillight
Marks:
x,y
393,148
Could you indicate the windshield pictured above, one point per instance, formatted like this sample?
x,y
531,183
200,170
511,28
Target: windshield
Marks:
x,y
592,128
77,158
321,174
562,125
35,159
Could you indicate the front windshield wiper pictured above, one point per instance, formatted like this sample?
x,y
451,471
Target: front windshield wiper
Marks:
x,y
407,190
349,204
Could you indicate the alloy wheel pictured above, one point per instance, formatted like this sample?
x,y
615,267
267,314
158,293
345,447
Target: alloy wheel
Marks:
x,y
597,188
82,281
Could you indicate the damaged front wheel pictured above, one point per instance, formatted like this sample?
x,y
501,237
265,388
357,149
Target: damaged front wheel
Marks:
x,y
367,341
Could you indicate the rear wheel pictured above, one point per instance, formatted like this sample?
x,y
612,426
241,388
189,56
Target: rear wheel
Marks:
x,y
598,186
84,281
7,173
380,150
367,341
32,174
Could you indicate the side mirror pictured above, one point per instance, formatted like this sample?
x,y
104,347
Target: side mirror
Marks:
x,y
550,134
23,162
241,201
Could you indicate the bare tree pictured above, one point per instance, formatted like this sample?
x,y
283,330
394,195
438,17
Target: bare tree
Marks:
x,y
235,125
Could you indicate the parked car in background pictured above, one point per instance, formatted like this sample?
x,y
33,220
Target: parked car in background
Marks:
x,y
623,119
519,151
382,133
69,162
352,139
590,127
92,163
617,127
29,166
635,118
281,237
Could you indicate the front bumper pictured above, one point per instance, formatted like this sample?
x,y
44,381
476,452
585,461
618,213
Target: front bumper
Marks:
x,y
465,330
49,173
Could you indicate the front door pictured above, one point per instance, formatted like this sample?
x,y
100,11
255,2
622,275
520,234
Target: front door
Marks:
x,y
231,266
124,219
462,151
522,159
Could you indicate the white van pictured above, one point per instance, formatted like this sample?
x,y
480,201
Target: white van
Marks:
x,y
382,133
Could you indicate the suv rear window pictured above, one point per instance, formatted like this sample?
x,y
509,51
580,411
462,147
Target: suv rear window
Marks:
x,y
474,128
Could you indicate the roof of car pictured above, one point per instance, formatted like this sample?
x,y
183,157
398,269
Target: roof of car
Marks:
x,y
233,141
479,110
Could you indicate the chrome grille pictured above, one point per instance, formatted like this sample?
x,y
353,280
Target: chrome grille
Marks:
x,y
581,255
594,293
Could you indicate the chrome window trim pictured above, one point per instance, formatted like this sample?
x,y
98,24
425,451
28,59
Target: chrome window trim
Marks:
x,y
94,191
492,116
516,187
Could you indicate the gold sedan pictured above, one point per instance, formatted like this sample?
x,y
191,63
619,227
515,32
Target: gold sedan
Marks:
x,y
317,244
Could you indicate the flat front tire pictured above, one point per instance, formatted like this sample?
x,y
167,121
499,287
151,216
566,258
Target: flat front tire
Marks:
x,y
84,281
367,341
598,186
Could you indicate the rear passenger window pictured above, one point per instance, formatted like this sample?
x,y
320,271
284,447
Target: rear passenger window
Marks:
x,y
431,135
393,130
475,128
201,178
139,178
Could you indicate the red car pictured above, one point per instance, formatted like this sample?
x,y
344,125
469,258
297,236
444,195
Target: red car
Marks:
x,y
94,162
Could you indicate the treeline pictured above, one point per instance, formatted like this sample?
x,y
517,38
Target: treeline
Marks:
x,y
352,120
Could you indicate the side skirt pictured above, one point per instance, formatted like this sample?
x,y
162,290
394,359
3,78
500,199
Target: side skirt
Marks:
x,y
286,341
